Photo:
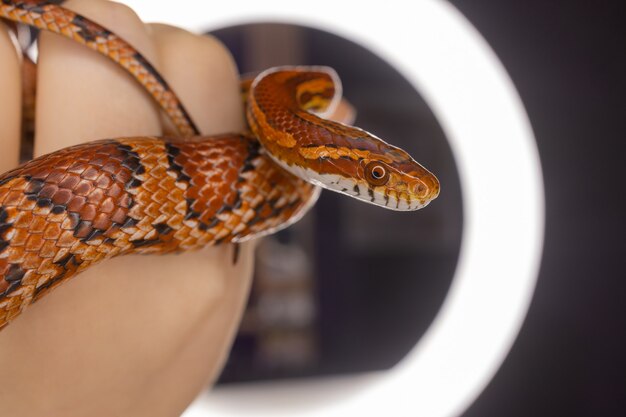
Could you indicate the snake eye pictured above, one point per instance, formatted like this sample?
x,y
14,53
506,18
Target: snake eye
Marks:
x,y
376,174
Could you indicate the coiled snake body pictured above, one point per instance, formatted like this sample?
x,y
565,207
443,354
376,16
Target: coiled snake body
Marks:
x,y
67,210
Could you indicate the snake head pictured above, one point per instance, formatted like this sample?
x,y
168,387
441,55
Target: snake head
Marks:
x,y
284,109
396,181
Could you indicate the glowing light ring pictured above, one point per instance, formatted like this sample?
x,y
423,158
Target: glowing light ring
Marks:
x,y
464,83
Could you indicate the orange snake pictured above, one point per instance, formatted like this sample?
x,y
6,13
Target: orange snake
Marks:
x,y
62,212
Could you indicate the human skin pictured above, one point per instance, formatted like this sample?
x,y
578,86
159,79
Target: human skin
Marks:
x,y
136,335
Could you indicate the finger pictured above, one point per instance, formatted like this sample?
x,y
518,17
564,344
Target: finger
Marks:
x,y
85,96
152,307
204,75
10,99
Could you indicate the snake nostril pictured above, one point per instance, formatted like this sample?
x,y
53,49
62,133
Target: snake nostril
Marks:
x,y
420,189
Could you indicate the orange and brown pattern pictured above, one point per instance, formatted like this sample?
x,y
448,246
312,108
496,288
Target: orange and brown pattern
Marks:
x,y
65,211
338,157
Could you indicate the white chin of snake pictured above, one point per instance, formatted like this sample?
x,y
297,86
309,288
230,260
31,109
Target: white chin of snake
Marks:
x,y
345,186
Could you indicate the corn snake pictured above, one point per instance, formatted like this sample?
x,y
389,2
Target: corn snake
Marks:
x,y
65,211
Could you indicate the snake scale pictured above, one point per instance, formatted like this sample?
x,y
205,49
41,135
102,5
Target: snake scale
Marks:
x,y
62,212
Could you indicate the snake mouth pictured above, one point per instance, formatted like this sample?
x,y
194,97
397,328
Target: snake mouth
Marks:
x,y
388,198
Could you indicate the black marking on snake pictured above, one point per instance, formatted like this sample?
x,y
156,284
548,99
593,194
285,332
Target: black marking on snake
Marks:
x,y
131,161
220,240
8,176
144,242
162,228
15,274
12,287
214,221
237,202
172,152
370,191
83,229
94,234
256,219
129,222
88,31
74,219
14,277
4,226
133,183
64,263
386,199
34,185
191,214
44,202
70,257
148,66
275,212
225,207
253,153
33,192
58,209
287,206
326,145
130,158
356,189
139,170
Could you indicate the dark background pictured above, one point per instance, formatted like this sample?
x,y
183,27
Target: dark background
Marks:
x,y
352,287
568,62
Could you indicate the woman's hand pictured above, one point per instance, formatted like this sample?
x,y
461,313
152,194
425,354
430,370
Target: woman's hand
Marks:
x,y
137,335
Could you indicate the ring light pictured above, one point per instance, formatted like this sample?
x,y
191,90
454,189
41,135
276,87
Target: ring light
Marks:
x,y
450,64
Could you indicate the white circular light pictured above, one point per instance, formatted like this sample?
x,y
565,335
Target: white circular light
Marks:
x,y
475,102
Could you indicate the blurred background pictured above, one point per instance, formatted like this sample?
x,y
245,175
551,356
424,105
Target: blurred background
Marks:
x,y
332,294
328,294
568,63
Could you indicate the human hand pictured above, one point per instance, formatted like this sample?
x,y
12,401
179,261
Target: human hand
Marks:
x,y
137,335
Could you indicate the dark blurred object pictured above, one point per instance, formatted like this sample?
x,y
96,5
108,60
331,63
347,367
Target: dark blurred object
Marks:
x,y
568,62
352,287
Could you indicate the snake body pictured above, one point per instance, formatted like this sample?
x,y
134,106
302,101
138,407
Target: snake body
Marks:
x,y
62,212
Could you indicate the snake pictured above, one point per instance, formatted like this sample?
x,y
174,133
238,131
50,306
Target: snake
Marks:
x,y
68,210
